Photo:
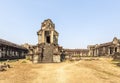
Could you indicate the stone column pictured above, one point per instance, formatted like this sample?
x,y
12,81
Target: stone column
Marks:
x,y
17,53
94,52
3,51
113,50
13,53
51,40
9,51
0,51
23,54
56,39
118,49
97,50
39,38
108,51
43,37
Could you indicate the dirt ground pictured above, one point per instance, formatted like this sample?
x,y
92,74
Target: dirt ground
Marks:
x,y
101,70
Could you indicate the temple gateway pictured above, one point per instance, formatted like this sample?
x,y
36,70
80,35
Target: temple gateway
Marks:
x,y
47,49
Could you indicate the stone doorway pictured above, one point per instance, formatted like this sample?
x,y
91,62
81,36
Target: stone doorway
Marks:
x,y
48,39
111,50
115,49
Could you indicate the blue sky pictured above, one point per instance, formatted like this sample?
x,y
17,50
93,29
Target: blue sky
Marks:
x,y
79,22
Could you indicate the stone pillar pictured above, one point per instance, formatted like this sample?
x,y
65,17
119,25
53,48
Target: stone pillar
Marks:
x,y
94,52
39,38
3,52
89,53
56,39
104,50
19,53
9,52
13,53
22,53
43,37
97,50
52,33
108,51
0,51
113,50
118,49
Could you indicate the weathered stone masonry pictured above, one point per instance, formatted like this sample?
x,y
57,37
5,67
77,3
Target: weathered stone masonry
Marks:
x,y
105,49
9,50
47,49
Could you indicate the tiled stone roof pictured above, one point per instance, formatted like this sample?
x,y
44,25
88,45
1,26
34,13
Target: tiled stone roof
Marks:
x,y
7,43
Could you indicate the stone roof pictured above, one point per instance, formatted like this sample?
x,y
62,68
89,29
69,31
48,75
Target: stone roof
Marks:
x,y
47,25
7,43
105,44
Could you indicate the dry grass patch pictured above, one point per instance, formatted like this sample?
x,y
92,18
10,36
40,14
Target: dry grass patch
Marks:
x,y
21,72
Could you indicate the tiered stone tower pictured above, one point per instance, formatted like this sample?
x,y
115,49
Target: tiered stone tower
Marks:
x,y
47,49
47,34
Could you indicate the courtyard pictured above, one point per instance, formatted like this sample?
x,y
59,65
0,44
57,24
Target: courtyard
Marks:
x,y
87,70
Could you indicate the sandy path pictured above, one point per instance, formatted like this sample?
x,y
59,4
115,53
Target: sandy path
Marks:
x,y
83,71
80,72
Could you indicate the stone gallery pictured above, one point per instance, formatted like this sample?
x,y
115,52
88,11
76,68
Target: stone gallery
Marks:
x,y
9,50
105,49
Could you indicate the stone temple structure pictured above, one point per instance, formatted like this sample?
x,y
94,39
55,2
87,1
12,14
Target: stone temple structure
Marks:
x,y
47,34
105,49
9,50
47,49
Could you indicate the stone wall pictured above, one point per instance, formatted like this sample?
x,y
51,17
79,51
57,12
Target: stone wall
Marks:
x,y
56,58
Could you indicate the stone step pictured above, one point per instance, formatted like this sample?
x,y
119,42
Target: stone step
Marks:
x,y
48,53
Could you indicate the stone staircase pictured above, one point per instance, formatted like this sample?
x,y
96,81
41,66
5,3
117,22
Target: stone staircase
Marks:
x,y
48,53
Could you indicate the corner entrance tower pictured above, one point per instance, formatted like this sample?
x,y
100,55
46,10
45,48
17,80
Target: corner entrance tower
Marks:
x,y
47,49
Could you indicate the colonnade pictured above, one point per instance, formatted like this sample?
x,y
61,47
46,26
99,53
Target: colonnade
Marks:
x,y
8,52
